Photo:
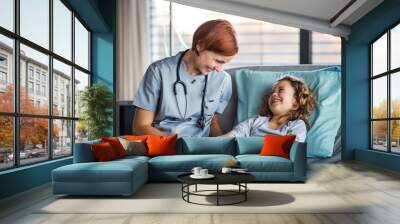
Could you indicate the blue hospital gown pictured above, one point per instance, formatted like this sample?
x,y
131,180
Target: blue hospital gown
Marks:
x,y
258,126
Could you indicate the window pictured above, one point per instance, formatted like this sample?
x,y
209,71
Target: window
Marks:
x,y
30,87
3,78
3,61
62,75
3,72
43,90
7,71
38,89
260,43
37,75
30,72
326,49
81,45
385,94
7,14
53,125
34,25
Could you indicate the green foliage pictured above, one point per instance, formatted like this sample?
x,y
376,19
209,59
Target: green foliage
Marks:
x,y
97,102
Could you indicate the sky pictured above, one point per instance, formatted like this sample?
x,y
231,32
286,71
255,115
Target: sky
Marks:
x,y
35,27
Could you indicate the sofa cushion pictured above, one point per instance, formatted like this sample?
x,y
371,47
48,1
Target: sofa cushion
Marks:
x,y
184,163
111,171
325,83
249,145
83,153
257,163
208,145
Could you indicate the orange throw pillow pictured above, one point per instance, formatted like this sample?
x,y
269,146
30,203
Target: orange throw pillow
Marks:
x,y
161,145
116,145
135,137
275,145
103,151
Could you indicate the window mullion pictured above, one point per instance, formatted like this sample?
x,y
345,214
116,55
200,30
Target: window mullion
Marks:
x,y
16,84
389,106
73,82
305,47
50,81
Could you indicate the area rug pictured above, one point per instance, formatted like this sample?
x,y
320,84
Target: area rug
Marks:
x,y
167,198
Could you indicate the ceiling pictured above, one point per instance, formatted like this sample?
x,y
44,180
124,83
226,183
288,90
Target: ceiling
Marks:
x,y
326,16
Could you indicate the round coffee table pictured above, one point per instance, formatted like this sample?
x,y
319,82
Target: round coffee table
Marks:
x,y
238,179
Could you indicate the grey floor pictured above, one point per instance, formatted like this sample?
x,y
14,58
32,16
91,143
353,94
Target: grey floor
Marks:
x,y
378,188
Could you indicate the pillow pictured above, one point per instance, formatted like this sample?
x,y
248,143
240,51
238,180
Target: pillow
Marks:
x,y
275,145
135,137
249,145
161,145
103,151
135,147
208,145
324,121
116,145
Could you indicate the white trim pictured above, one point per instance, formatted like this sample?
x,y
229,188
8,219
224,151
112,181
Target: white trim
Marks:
x,y
348,12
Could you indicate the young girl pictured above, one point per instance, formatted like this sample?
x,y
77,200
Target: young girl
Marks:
x,y
284,111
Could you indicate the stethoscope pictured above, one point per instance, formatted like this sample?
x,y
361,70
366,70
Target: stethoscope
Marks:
x,y
201,122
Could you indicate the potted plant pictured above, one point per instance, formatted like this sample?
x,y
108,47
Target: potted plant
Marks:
x,y
96,102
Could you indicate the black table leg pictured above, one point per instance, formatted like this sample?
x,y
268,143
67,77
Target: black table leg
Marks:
x,y
245,193
217,194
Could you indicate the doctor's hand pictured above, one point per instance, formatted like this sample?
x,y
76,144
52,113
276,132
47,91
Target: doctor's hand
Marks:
x,y
142,123
215,129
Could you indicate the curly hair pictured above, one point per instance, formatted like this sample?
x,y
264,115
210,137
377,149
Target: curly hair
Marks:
x,y
304,97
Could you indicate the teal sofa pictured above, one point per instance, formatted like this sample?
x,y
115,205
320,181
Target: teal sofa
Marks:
x,y
125,176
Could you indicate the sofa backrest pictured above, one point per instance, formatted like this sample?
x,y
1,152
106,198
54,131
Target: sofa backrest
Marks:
x,y
206,145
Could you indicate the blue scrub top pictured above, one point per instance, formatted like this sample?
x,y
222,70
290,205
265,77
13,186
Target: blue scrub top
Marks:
x,y
155,93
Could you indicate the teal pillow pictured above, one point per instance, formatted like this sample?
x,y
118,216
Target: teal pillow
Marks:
x,y
208,145
324,121
249,145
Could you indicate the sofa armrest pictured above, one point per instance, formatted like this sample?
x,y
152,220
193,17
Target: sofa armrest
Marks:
x,y
83,152
298,155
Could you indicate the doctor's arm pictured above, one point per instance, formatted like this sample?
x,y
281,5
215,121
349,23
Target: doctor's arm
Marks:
x,y
142,123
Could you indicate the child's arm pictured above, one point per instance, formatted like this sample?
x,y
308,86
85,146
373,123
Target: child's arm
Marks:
x,y
299,129
242,129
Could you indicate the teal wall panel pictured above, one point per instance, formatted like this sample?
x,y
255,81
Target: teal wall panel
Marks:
x,y
24,178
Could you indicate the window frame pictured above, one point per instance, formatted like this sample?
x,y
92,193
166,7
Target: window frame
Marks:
x,y
15,71
388,74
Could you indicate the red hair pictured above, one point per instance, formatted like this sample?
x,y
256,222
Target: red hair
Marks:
x,y
217,36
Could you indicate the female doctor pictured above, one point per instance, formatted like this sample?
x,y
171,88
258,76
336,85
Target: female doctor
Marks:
x,y
182,94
